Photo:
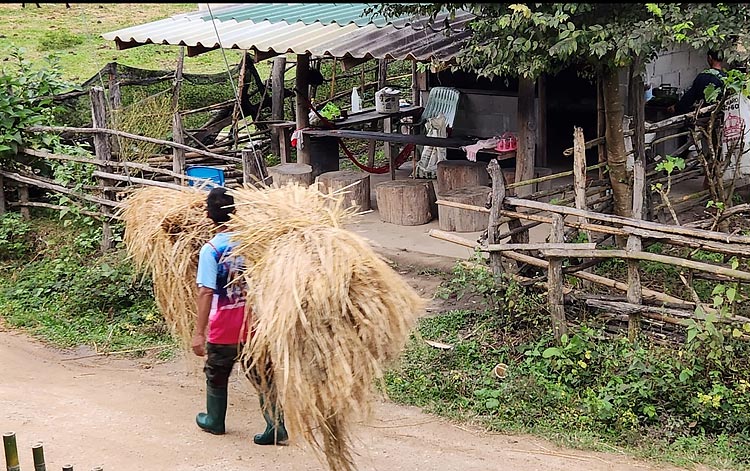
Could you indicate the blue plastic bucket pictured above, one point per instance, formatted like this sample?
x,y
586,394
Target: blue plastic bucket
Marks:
x,y
213,174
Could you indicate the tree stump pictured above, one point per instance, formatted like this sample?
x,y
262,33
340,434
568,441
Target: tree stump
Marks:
x,y
357,186
406,202
463,220
284,174
453,174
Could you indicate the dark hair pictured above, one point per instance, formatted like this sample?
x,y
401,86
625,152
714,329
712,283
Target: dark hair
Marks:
x,y
716,55
219,205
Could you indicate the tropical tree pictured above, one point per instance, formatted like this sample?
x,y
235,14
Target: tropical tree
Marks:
x,y
599,39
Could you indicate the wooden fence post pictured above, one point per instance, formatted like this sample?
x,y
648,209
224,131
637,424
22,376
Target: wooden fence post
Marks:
x,y
178,155
23,197
277,103
254,170
11,452
2,195
579,182
103,153
634,244
555,280
497,195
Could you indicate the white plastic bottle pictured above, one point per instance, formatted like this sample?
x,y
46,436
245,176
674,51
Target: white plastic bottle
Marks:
x,y
356,101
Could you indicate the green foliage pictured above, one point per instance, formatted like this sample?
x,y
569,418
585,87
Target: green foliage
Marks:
x,y
670,163
69,296
26,101
14,236
531,39
59,39
330,111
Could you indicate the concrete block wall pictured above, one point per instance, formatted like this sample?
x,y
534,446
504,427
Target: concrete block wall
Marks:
x,y
677,67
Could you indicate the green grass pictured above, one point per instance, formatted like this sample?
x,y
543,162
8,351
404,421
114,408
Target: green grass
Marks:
x,y
75,36
57,289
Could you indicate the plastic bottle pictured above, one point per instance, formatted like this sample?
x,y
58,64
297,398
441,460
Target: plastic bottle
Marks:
x,y
356,102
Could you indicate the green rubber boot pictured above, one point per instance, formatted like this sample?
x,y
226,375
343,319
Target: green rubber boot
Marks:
x,y
216,403
275,433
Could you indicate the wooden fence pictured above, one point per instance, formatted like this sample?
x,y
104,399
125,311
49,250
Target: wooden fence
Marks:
x,y
580,214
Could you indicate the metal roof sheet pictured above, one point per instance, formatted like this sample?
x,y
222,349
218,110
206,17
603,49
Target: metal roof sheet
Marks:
x,y
406,38
307,13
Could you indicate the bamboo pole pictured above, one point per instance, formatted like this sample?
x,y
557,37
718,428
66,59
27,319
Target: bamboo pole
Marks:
x,y
579,175
11,452
666,259
699,233
537,246
555,280
38,182
601,280
136,137
140,181
554,176
37,452
34,204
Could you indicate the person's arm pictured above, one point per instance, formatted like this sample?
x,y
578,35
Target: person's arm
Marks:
x,y
693,94
205,298
206,280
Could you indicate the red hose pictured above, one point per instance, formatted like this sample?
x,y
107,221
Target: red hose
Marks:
x,y
402,157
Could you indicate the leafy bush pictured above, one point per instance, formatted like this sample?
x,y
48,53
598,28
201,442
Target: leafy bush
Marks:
x,y
14,236
69,297
661,401
26,101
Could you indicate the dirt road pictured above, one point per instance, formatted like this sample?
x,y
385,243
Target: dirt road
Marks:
x,y
124,415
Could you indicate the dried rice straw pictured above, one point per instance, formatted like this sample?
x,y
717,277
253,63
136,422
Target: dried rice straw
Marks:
x,y
328,313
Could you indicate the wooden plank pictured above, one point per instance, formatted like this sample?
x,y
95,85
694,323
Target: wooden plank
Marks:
x,y
498,196
556,281
303,68
34,204
388,150
525,155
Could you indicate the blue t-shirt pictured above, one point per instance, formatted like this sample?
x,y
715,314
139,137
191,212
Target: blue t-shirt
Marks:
x,y
226,321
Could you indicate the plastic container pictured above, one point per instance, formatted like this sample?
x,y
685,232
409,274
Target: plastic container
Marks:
x,y
356,101
215,176
386,100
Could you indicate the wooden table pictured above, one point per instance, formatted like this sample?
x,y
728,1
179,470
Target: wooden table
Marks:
x,y
418,139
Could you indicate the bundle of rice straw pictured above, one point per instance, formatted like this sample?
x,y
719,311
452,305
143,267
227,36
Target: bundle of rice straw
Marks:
x,y
164,231
329,313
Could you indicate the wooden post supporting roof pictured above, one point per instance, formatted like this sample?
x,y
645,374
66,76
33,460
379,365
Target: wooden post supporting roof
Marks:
x,y
303,109
526,135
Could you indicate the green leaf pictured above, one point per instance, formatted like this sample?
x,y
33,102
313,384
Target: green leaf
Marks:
x,y
691,335
731,294
492,403
685,375
551,352
736,333
718,289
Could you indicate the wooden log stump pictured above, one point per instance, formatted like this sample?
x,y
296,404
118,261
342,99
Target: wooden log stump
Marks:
x,y
453,174
406,202
284,174
462,220
357,186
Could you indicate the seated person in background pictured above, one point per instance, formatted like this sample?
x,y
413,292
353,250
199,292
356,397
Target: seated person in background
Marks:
x,y
712,75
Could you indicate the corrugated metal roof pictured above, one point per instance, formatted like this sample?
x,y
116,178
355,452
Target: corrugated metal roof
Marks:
x,y
307,13
336,36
